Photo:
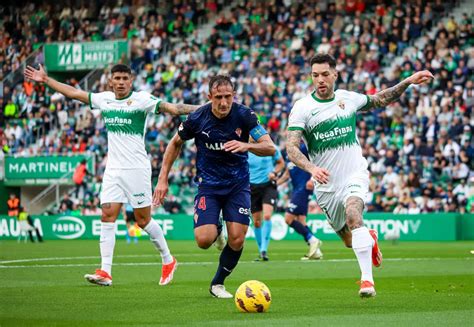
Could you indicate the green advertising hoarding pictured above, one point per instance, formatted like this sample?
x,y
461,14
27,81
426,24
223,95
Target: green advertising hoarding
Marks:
x,y
43,170
60,57
426,227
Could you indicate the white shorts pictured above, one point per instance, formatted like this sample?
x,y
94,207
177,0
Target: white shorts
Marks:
x,y
25,226
127,186
333,204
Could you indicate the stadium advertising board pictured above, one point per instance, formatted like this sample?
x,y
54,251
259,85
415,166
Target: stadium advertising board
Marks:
x,y
427,227
83,56
43,170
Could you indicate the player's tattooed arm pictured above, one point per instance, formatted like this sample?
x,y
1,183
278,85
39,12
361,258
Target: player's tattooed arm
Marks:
x,y
385,97
321,175
177,109
293,150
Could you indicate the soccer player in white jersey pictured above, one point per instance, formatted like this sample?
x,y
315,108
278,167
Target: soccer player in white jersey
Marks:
x,y
326,120
127,177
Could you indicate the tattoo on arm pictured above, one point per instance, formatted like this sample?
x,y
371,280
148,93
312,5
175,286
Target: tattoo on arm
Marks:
x,y
385,97
177,109
293,150
184,109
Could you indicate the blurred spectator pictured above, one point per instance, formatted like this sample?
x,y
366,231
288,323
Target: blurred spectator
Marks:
x,y
13,204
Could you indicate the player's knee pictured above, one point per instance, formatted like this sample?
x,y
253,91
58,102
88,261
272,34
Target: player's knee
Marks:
x,y
203,241
267,216
107,217
354,220
289,220
142,222
236,243
257,223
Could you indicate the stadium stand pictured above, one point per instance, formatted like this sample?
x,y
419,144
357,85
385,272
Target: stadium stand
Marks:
x,y
420,149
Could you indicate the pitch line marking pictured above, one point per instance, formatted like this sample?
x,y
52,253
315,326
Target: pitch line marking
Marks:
x,y
195,263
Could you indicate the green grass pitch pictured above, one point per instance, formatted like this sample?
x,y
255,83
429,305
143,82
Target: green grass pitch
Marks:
x,y
419,283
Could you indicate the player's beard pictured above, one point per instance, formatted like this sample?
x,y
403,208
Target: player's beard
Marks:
x,y
326,93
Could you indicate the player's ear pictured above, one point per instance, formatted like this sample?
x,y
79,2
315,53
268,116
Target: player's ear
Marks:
x,y
335,74
209,96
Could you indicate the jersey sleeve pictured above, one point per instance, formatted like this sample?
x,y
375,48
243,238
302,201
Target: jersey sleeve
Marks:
x,y
297,119
150,102
95,100
362,101
186,130
253,125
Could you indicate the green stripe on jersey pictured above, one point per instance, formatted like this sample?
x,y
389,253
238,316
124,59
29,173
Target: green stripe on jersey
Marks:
x,y
130,122
332,134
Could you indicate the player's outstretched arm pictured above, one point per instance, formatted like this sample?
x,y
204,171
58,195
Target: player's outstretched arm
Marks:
x,y
171,153
385,97
39,75
321,175
177,109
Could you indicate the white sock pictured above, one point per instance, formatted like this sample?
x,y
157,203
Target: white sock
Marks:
x,y
362,244
107,245
158,240
312,240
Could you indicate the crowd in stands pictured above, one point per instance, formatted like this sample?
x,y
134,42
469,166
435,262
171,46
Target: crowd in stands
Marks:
x,y
420,149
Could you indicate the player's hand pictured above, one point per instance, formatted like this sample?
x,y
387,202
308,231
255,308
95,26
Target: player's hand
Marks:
x,y
37,75
421,77
272,176
310,185
235,146
161,190
320,175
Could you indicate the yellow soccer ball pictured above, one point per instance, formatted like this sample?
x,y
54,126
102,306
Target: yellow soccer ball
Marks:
x,y
253,296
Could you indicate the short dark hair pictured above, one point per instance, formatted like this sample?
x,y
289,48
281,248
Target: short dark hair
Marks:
x,y
322,58
219,80
121,68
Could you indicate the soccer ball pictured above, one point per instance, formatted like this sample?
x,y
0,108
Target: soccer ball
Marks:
x,y
253,296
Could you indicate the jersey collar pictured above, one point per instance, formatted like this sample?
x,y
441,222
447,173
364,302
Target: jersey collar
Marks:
x,y
313,94
126,97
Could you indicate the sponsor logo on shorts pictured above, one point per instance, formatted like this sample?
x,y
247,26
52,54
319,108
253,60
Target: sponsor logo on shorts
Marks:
x,y
140,202
244,211
139,194
354,185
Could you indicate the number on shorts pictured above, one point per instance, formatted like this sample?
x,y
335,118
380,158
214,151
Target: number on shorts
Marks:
x,y
202,203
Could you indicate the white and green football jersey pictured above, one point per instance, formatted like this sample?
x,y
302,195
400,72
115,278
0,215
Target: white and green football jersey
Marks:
x,y
329,130
125,120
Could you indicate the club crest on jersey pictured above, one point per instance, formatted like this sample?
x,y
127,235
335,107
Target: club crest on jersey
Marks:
x,y
341,104
238,131
129,102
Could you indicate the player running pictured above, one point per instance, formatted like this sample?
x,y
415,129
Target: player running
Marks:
x,y
127,177
297,208
221,131
327,122
264,173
